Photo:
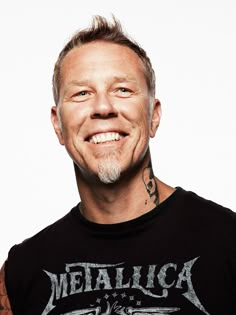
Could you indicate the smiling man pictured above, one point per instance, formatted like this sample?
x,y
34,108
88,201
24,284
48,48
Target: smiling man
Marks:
x,y
105,114
132,245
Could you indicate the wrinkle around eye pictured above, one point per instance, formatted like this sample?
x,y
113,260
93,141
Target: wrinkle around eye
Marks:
x,y
74,100
123,92
78,97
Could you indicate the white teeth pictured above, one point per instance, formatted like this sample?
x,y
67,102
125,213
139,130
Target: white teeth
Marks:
x,y
105,137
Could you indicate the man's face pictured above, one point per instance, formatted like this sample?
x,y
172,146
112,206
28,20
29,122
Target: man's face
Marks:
x,y
104,108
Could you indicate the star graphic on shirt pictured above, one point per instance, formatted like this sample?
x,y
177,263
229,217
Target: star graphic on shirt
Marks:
x,y
113,300
106,296
113,304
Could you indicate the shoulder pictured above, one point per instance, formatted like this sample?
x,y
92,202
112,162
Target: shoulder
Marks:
x,y
33,247
27,259
209,217
205,206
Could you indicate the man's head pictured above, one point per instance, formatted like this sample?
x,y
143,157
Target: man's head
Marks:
x,y
104,91
102,30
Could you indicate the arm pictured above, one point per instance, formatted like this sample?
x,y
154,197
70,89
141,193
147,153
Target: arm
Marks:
x,y
5,307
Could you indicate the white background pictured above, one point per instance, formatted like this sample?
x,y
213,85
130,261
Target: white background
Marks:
x,y
192,44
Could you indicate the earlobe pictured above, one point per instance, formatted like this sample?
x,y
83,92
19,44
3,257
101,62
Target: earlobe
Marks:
x,y
56,124
155,117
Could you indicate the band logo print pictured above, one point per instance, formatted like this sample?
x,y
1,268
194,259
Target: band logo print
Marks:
x,y
112,282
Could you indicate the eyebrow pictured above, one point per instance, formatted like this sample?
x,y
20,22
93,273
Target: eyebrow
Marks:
x,y
78,83
124,79
115,79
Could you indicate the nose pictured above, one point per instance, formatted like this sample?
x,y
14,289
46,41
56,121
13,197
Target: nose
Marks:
x,y
103,108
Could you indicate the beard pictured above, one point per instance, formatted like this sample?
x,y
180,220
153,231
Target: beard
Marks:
x,y
109,168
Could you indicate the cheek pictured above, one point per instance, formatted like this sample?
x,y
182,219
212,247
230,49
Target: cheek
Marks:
x,y
137,114
144,124
144,115
72,118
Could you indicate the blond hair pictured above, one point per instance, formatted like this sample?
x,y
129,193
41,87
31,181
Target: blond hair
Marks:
x,y
102,29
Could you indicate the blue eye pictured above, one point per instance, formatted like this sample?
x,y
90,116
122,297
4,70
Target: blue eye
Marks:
x,y
124,90
80,96
83,93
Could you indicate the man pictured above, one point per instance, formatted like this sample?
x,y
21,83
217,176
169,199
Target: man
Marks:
x,y
133,245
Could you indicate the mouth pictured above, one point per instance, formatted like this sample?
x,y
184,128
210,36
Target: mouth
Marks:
x,y
105,137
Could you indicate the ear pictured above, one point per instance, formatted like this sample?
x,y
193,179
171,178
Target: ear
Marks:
x,y
155,117
56,124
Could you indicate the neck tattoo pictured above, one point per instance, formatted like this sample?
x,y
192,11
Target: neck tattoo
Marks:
x,y
150,183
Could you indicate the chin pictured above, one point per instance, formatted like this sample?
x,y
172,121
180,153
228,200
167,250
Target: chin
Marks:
x,y
109,171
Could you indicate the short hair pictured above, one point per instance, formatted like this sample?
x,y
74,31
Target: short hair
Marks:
x,y
103,30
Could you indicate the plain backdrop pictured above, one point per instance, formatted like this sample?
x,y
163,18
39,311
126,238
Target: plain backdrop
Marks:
x,y
192,46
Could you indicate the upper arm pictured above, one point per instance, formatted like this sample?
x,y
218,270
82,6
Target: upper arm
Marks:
x,y
5,307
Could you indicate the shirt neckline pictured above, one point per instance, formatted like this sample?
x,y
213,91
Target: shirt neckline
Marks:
x,y
123,227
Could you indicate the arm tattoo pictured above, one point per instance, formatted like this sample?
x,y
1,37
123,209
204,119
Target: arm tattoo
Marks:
x,y
5,308
150,183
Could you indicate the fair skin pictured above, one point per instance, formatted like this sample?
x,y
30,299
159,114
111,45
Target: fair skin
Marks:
x,y
104,115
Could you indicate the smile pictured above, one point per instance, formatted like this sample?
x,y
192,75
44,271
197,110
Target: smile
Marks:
x,y
105,137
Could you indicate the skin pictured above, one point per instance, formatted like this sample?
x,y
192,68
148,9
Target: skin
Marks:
x,y
103,89
5,307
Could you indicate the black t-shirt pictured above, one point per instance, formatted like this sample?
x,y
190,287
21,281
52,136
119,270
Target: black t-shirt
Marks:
x,y
179,258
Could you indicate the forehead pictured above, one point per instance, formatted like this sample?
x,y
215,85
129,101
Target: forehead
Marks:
x,y
102,56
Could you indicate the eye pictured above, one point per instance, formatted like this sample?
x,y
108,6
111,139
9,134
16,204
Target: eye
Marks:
x,y
80,96
124,92
81,93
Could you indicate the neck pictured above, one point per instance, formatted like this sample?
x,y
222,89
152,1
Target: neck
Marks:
x,y
132,195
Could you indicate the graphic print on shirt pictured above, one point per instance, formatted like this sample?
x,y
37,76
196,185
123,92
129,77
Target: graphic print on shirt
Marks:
x,y
118,289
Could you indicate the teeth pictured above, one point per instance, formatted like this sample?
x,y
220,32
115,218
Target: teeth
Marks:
x,y
105,137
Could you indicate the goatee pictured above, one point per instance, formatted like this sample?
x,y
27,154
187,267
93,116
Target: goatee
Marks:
x,y
109,168
109,171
